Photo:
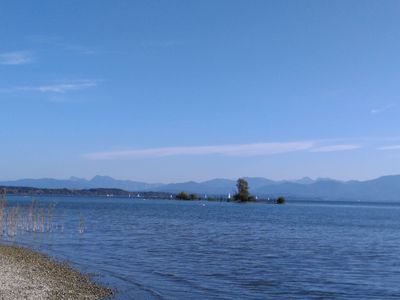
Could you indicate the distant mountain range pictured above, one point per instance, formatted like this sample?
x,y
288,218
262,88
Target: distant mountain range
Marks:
x,y
386,188
81,183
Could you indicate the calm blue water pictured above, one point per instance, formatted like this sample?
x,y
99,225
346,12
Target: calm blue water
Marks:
x,y
155,249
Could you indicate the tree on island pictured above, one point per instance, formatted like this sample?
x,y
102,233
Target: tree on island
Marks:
x,y
186,196
280,200
243,194
182,196
193,197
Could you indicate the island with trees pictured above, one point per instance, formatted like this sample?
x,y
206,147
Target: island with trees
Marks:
x,y
242,195
186,196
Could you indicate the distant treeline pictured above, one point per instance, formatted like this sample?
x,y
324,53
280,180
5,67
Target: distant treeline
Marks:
x,y
30,191
111,192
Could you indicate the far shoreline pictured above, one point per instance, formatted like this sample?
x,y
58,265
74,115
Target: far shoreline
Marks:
x,y
115,193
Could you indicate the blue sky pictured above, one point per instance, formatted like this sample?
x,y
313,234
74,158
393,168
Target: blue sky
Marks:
x,y
166,91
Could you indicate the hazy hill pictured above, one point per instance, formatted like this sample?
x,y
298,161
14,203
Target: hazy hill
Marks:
x,y
385,188
214,186
80,183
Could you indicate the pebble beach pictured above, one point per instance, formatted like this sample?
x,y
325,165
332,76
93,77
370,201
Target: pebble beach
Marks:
x,y
26,274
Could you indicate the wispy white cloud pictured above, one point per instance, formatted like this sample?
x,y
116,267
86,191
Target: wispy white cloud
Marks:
x,y
335,148
59,88
382,109
160,44
66,87
258,149
392,147
60,43
16,58
78,48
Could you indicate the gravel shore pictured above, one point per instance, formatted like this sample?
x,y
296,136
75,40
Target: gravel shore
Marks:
x,y
25,274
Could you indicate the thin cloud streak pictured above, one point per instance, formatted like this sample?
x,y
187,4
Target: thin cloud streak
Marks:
x,y
59,88
16,58
394,147
78,48
258,149
382,109
160,44
66,87
335,148
60,43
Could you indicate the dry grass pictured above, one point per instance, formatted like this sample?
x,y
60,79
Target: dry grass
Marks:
x,y
34,218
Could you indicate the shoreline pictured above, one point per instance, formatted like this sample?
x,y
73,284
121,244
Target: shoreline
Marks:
x,y
27,274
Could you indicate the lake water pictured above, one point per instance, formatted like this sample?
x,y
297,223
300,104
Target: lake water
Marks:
x,y
164,249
